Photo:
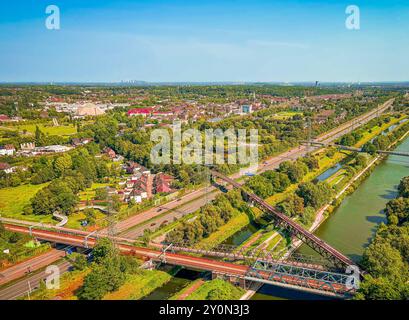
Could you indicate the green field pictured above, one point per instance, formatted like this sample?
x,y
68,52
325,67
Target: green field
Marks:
x,y
286,114
13,201
62,130
75,218
89,193
139,285
216,290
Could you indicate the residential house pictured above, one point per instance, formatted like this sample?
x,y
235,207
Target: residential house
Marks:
x,y
136,168
324,115
109,152
7,150
140,112
5,167
4,117
78,142
162,183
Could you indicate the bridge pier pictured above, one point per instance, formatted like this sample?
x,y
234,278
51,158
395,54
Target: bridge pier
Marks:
x,y
233,279
149,265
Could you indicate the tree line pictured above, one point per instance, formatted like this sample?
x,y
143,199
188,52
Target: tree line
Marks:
x,y
386,259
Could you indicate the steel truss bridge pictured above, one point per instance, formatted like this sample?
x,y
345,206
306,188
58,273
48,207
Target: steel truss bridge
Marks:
x,y
341,147
304,274
281,220
311,273
289,276
246,255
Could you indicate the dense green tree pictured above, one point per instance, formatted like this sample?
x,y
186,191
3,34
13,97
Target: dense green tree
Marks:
x,y
261,186
382,260
104,249
382,142
294,170
57,196
311,162
308,216
360,160
292,206
398,210
403,187
279,181
78,260
62,163
100,281
369,148
381,288
315,195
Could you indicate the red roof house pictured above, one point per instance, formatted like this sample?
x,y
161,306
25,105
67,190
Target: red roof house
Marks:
x,y
4,117
162,183
111,153
140,112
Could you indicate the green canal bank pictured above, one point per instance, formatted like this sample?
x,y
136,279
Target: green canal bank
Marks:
x,y
352,225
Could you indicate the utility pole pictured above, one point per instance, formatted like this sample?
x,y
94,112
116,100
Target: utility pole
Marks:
x,y
111,220
29,290
208,181
309,135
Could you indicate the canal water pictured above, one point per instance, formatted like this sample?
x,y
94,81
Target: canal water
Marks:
x,y
239,237
353,224
328,173
174,285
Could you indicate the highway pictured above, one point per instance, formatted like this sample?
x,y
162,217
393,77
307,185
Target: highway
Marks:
x,y
171,214
326,138
31,265
132,227
23,286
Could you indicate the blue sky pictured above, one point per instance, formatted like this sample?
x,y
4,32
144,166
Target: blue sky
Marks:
x,y
251,40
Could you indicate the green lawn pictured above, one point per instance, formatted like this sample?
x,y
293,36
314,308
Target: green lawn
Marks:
x,y
62,130
139,285
286,114
13,200
367,135
75,218
216,290
235,224
89,193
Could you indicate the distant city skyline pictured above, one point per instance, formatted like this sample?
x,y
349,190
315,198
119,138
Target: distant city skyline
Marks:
x,y
210,41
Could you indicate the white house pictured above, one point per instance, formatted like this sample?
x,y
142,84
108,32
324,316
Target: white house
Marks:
x,y
7,150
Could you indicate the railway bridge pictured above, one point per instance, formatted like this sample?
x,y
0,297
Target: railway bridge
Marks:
x,y
298,276
353,149
324,249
